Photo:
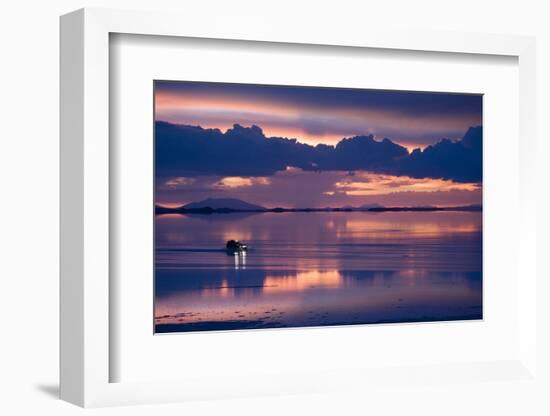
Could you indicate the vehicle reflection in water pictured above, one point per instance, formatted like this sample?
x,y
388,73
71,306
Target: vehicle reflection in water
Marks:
x,y
240,260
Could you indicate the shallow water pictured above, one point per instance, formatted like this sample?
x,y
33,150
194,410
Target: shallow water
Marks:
x,y
315,269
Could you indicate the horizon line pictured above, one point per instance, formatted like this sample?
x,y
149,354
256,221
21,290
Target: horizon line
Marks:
x,y
373,206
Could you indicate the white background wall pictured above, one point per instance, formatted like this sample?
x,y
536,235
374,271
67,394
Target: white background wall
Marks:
x,y
29,186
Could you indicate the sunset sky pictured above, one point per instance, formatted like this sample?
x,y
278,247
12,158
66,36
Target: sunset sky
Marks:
x,y
247,163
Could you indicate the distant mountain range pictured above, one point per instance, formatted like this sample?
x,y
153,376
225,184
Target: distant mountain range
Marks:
x,y
229,205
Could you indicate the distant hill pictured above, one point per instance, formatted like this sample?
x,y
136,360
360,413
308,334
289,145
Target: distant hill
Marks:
x,y
224,203
369,206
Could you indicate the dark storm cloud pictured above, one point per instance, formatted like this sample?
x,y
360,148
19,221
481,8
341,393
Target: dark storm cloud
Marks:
x,y
184,151
460,161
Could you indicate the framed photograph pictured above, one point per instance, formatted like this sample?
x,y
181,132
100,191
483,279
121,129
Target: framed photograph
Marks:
x,y
306,214
258,212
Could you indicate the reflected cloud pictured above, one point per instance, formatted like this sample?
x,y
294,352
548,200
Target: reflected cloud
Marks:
x,y
324,297
393,227
304,280
328,240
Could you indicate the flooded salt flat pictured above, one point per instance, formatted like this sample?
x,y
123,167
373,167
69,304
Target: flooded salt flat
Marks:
x,y
316,269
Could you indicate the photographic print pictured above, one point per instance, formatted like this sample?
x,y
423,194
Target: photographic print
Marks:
x,y
293,206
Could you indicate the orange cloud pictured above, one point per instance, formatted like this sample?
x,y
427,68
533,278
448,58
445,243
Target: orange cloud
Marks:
x,y
166,101
240,182
175,183
367,184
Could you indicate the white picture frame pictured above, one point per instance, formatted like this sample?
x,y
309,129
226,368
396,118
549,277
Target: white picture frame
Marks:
x,y
85,210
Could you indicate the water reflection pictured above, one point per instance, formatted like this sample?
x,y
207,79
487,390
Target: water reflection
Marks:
x,y
240,260
300,281
259,299
317,269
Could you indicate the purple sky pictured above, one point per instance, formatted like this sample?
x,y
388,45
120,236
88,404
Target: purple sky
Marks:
x,y
315,116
